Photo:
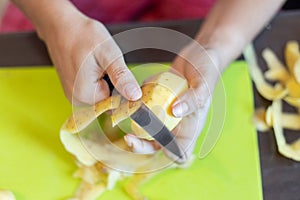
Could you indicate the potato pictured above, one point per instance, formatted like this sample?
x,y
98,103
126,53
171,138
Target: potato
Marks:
x,y
158,95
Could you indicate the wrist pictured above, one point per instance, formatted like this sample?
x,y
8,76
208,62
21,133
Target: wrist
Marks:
x,y
55,19
226,43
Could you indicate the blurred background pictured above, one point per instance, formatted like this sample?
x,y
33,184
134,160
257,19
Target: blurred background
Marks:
x,y
9,16
2,6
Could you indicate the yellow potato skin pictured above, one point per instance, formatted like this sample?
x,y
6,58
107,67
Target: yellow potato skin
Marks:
x,y
293,88
291,54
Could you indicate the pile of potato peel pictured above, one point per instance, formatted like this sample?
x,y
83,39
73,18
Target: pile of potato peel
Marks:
x,y
279,83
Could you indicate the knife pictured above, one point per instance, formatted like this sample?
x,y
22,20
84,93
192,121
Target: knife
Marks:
x,y
147,120
154,127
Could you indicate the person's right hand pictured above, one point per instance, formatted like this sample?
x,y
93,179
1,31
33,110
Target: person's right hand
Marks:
x,y
82,51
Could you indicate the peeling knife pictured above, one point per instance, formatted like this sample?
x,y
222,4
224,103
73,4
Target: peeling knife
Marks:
x,y
154,127
147,120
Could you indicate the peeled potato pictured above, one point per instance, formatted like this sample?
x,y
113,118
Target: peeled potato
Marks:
x,y
158,96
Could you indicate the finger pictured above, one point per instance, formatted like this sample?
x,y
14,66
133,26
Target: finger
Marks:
x,y
187,133
140,145
88,88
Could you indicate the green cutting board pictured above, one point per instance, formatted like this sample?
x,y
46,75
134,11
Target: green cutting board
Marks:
x,y
35,166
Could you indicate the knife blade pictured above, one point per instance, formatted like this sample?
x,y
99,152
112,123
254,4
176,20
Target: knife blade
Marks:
x,y
154,127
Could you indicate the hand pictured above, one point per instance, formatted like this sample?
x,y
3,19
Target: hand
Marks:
x,y
82,51
200,67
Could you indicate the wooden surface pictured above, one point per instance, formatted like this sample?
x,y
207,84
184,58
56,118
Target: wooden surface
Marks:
x,y
280,176
24,49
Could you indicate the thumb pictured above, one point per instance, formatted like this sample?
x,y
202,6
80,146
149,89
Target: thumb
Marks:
x,y
123,80
191,100
187,133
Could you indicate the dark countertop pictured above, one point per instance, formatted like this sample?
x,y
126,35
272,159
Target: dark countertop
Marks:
x,y
280,176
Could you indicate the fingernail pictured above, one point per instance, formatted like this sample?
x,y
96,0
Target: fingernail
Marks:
x,y
180,109
133,92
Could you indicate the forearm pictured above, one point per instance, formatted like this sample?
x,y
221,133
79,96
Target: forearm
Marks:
x,y
47,15
232,24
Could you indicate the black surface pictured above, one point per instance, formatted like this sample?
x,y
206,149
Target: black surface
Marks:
x,y
291,5
280,176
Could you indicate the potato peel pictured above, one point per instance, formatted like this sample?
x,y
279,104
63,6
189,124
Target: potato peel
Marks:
x,y
271,59
286,79
259,120
291,121
124,111
293,88
269,116
277,74
84,116
74,146
277,71
275,118
291,54
293,101
277,125
291,151
265,89
297,70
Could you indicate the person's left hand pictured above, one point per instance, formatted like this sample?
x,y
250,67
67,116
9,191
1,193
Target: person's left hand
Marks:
x,y
200,67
